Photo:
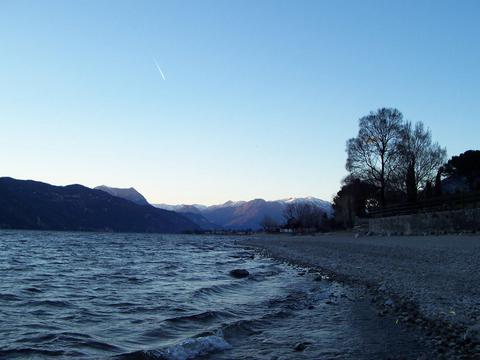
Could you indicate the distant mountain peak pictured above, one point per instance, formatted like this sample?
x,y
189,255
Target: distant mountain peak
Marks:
x,y
247,214
129,194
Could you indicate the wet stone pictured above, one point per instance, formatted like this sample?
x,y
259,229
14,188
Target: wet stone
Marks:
x,y
239,273
301,346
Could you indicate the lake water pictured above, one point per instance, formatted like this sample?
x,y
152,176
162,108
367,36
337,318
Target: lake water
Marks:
x,y
137,296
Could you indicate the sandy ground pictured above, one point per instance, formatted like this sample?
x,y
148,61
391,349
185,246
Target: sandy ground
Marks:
x,y
439,274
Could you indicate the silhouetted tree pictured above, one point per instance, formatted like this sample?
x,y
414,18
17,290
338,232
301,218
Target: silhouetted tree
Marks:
x,y
420,158
438,182
428,190
354,199
467,165
269,224
301,216
410,182
373,154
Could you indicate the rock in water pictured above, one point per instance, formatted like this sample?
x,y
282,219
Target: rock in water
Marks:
x,y
473,333
239,273
301,346
389,302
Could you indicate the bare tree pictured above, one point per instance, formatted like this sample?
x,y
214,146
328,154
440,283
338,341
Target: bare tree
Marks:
x,y
303,216
420,157
372,155
269,224
291,215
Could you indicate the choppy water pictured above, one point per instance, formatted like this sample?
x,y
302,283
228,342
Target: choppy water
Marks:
x,y
132,296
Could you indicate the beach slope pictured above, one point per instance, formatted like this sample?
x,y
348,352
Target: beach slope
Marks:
x,y
439,275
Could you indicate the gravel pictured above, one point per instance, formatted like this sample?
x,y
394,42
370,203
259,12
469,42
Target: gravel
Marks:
x,y
440,275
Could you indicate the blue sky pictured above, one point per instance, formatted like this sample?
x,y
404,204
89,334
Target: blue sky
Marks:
x,y
259,97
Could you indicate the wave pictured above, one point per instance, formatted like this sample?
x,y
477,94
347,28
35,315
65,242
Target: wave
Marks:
x,y
158,332
72,338
30,352
297,300
203,317
264,275
50,303
217,289
33,289
234,286
243,255
9,297
186,350
254,325
242,328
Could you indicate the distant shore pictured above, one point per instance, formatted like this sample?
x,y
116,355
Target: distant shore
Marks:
x,y
426,281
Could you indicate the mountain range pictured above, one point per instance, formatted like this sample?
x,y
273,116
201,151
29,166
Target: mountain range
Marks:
x,y
232,215
27,204
244,214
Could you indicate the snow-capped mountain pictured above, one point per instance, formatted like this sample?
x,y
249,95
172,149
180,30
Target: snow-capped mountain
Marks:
x,y
247,214
182,207
322,204
231,215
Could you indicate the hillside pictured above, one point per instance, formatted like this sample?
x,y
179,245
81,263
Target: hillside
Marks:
x,y
128,194
27,204
201,221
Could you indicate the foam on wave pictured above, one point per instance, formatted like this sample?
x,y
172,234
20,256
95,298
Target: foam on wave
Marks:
x,y
194,347
186,350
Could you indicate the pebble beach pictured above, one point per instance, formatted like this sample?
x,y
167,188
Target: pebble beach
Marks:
x,y
430,282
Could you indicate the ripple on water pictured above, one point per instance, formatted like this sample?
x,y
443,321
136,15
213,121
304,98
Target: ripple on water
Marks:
x,y
33,290
160,297
9,297
27,352
49,303
202,317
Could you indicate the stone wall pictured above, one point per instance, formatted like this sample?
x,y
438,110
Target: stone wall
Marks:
x,y
456,221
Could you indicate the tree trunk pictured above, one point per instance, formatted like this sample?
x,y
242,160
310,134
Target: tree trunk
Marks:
x,y
382,183
411,183
438,183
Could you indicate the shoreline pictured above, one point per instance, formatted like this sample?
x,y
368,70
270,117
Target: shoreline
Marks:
x,y
407,279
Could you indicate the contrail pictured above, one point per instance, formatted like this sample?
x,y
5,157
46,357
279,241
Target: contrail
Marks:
x,y
158,68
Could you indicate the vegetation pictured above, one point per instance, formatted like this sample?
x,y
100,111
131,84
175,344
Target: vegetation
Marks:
x,y
465,165
354,199
419,159
372,155
392,161
392,155
304,217
269,224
